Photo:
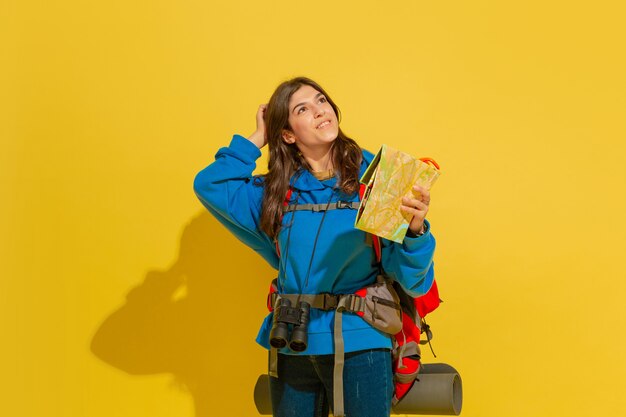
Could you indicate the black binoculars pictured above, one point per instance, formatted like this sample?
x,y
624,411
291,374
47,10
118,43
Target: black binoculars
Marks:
x,y
284,315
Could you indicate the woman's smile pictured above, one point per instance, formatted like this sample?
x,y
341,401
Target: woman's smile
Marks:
x,y
324,124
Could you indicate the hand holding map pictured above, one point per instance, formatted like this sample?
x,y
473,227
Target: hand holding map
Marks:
x,y
390,177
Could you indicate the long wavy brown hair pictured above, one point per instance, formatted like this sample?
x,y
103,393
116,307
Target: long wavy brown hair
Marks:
x,y
285,160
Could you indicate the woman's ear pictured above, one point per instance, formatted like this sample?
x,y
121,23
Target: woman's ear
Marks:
x,y
288,136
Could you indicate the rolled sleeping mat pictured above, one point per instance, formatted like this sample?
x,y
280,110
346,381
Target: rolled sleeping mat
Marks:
x,y
262,396
438,392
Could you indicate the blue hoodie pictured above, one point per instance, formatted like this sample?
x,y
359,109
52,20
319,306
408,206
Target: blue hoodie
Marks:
x,y
342,262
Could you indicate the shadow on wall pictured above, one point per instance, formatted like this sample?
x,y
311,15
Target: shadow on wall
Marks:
x,y
189,321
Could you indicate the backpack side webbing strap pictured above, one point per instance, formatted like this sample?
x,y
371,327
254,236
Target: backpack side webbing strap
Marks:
x,y
339,362
273,363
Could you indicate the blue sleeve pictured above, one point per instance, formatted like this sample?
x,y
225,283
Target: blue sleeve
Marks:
x,y
411,262
228,190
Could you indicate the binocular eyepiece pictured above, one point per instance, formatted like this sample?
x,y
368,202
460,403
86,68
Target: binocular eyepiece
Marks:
x,y
284,315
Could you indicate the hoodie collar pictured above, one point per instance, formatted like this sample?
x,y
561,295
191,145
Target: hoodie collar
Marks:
x,y
303,180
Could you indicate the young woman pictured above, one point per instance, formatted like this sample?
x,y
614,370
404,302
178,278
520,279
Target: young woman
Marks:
x,y
316,250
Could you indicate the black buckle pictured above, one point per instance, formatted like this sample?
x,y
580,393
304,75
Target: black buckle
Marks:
x,y
343,204
330,301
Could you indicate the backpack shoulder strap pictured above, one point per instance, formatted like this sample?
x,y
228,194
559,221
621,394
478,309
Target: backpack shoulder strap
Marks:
x,y
285,205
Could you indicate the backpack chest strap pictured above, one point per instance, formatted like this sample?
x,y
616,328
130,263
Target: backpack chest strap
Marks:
x,y
322,207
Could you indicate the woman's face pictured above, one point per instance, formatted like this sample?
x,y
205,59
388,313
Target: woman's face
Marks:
x,y
312,119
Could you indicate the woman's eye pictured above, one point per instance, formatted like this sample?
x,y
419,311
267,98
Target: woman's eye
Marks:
x,y
300,109
322,99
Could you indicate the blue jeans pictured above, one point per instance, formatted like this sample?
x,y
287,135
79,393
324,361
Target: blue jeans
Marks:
x,y
304,387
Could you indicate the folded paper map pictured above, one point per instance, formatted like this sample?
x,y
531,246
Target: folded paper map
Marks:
x,y
391,176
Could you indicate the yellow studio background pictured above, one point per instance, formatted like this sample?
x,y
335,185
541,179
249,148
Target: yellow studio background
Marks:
x,y
120,296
